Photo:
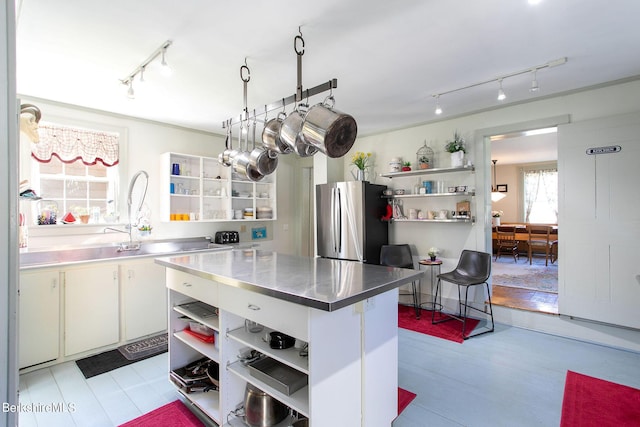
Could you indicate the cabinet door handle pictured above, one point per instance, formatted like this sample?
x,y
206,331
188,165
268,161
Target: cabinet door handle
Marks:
x,y
253,307
187,284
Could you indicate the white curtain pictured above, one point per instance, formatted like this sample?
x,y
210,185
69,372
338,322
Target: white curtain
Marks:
x,y
541,189
70,144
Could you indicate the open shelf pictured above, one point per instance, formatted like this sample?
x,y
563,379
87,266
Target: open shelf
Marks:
x,y
289,356
427,172
298,401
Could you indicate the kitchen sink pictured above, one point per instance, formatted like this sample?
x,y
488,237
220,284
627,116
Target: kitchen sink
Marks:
x,y
117,251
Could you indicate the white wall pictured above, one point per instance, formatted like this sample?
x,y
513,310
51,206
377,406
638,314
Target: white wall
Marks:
x,y
581,106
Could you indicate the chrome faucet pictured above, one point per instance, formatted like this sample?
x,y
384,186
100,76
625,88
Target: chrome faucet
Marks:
x,y
125,246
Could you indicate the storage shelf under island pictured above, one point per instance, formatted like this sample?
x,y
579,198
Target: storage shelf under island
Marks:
x,y
330,304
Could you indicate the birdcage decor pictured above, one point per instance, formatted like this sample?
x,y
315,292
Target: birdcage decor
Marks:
x,y
424,157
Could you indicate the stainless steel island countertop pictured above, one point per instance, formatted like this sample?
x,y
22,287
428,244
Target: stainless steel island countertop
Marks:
x,y
321,283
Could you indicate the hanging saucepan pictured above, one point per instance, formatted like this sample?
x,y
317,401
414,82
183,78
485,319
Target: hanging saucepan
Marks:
x,y
226,157
291,133
329,130
264,161
242,163
271,135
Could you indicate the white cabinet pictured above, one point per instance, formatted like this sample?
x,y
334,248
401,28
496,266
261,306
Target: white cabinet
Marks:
x,y
204,190
144,298
340,351
455,191
91,307
39,317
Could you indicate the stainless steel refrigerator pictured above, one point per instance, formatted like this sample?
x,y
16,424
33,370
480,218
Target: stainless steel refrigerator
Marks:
x,y
348,218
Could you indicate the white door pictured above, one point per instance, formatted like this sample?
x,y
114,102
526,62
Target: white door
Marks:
x,y
599,205
39,321
91,308
144,298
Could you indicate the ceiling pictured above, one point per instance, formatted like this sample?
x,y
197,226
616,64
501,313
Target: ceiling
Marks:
x,y
389,57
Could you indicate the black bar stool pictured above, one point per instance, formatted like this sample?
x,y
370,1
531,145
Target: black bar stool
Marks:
x,y
474,268
400,256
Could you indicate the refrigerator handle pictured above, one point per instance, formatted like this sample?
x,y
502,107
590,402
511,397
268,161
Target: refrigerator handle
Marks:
x,y
333,219
338,223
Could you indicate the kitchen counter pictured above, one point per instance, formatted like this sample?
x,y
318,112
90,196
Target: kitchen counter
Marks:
x,y
72,255
346,311
321,283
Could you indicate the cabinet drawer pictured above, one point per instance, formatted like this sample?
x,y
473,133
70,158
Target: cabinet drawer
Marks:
x,y
193,286
284,316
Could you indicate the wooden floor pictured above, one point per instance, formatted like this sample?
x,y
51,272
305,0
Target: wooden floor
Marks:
x,y
511,377
525,299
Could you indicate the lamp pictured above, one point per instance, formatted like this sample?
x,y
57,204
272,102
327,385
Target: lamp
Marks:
x,y
140,69
534,82
501,93
495,195
438,108
166,70
130,92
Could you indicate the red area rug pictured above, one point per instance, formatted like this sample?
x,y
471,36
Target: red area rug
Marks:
x,y
404,398
590,401
174,414
451,331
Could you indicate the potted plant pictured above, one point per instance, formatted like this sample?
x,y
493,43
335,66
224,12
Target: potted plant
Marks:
x,y
495,218
433,252
361,161
406,166
423,162
144,229
456,149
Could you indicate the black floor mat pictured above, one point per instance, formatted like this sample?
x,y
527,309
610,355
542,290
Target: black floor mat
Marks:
x,y
108,361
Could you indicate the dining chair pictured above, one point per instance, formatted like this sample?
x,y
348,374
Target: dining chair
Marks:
x,y
473,269
400,256
506,241
540,240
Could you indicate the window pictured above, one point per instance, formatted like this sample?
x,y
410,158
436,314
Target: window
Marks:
x,y
78,188
76,170
541,195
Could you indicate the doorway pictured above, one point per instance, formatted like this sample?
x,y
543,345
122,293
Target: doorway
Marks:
x,y
524,192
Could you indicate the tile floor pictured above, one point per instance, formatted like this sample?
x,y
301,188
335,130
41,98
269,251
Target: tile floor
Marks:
x,y
106,400
512,377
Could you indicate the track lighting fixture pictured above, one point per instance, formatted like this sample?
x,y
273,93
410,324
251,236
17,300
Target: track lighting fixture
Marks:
x,y
166,70
140,69
501,94
534,81
438,108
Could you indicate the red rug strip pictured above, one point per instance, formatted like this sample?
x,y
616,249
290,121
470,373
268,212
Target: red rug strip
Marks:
x,y
451,330
590,401
174,414
404,398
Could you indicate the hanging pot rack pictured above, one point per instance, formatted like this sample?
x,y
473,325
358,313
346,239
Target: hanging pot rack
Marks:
x,y
282,103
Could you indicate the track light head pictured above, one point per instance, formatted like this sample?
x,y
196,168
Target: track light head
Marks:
x,y
501,94
130,92
534,82
438,110
166,70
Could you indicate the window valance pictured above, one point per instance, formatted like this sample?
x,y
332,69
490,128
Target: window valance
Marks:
x,y
70,144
